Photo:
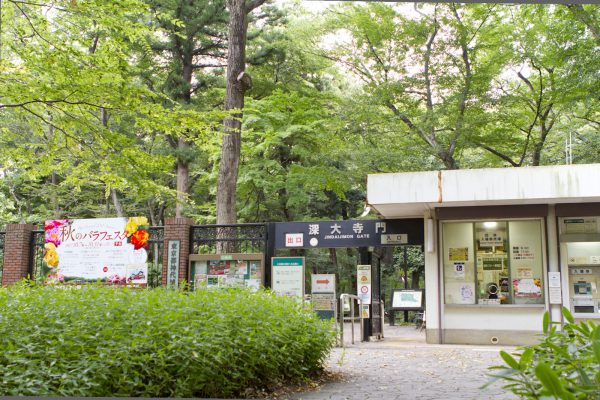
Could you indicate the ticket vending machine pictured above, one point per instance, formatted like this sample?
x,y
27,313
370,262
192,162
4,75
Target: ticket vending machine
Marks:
x,y
580,253
584,289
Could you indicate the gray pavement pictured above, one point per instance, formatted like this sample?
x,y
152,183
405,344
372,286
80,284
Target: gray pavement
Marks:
x,y
403,366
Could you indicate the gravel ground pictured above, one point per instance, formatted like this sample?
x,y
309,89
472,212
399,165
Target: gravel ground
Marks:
x,y
403,366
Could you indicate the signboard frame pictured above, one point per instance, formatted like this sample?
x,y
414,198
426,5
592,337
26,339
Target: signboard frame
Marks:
x,y
421,293
248,257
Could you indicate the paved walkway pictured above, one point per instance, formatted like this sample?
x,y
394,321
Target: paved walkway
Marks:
x,y
403,366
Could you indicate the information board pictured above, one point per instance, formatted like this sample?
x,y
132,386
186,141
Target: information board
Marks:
x,y
226,270
287,276
407,299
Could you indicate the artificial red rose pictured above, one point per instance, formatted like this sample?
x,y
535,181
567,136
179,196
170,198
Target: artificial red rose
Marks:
x,y
139,239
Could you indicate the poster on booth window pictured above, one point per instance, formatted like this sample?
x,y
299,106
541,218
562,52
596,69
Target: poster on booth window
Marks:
x,y
111,250
527,287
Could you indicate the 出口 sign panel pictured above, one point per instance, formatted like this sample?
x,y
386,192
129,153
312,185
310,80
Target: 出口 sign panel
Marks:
x,y
349,233
103,249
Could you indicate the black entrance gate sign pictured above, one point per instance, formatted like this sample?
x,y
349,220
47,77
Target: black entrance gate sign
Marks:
x,y
349,233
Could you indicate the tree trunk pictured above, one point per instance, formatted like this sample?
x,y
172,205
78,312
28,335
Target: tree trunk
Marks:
x,y
113,192
183,174
415,278
237,84
54,196
234,100
117,203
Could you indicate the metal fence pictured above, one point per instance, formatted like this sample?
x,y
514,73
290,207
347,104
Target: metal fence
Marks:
x,y
2,235
233,238
38,268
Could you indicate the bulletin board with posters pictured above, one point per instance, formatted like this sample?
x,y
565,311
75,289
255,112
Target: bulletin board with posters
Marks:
x,y
226,270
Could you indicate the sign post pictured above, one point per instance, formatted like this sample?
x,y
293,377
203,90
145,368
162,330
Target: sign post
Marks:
x,y
363,283
323,295
363,289
287,276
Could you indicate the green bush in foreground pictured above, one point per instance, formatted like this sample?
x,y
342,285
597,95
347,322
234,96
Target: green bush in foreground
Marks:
x,y
97,341
564,365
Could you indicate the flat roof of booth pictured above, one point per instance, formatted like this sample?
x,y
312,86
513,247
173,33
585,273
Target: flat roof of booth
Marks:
x,y
411,194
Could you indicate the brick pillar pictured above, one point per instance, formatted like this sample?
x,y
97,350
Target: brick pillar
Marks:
x,y
177,229
17,252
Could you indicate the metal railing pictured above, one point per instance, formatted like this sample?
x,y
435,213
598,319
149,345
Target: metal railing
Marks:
x,y
352,317
232,238
382,319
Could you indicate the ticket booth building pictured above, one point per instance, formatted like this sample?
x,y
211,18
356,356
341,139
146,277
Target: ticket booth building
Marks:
x,y
502,246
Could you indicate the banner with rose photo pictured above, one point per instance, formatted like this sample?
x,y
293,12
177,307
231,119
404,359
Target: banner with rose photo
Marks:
x,y
111,250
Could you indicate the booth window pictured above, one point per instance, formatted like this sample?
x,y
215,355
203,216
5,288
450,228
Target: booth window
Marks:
x,y
493,262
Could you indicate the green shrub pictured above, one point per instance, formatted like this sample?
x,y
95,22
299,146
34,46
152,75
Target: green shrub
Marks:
x,y
564,365
98,341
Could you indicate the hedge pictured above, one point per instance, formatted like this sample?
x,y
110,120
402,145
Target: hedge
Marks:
x,y
99,341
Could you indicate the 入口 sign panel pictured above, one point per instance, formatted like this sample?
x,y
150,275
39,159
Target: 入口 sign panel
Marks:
x,y
287,276
395,238
363,283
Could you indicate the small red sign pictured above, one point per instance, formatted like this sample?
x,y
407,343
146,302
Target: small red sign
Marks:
x,y
364,289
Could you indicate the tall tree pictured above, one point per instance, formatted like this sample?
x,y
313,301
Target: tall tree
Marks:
x,y
238,82
550,80
193,41
429,71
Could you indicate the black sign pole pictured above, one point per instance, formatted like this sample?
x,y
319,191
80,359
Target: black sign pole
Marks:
x,y
269,252
365,259
405,279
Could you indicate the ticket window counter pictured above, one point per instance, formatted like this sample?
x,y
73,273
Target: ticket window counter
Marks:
x,y
493,262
